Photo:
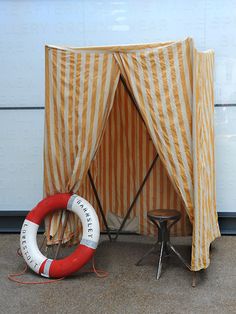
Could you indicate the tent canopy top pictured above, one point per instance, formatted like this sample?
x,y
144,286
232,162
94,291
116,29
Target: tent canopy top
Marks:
x,y
120,48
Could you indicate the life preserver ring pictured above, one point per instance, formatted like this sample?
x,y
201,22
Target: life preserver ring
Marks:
x,y
83,253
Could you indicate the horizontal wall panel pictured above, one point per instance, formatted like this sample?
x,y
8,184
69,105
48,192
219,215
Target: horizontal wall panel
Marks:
x,y
225,151
21,158
26,26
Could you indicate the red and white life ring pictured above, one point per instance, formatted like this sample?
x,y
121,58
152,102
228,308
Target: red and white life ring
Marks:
x,y
83,253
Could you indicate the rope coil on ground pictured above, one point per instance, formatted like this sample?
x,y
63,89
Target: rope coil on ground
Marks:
x,y
12,277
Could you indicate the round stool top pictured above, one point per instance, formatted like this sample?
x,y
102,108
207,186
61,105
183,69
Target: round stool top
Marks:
x,y
160,214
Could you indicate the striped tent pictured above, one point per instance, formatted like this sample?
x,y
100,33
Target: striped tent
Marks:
x,y
109,112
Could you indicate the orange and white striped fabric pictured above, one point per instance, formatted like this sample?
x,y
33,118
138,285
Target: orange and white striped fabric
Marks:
x,y
121,164
91,122
205,227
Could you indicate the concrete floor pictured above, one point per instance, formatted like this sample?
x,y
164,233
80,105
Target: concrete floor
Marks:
x,y
128,288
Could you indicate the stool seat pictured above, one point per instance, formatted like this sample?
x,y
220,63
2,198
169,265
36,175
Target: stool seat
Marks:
x,y
164,214
164,219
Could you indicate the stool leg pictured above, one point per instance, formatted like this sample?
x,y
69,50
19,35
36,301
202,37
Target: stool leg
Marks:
x,y
194,279
165,237
178,255
159,267
145,255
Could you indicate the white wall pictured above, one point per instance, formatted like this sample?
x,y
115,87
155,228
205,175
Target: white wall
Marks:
x,y
26,26
21,159
225,121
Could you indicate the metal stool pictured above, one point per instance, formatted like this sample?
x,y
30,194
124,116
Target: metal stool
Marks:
x,y
161,218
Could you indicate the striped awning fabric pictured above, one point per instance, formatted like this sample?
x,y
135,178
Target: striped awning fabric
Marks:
x,y
92,123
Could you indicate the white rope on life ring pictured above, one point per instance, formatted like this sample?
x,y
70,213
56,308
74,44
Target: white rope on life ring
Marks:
x,y
83,253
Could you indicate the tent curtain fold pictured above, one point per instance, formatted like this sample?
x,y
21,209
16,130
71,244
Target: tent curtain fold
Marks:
x,y
205,226
154,80
80,90
90,123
